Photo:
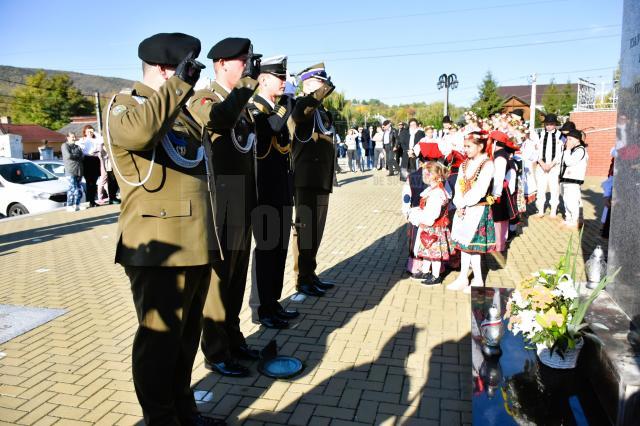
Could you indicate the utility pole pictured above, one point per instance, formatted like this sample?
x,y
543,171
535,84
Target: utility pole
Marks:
x,y
532,110
447,81
98,112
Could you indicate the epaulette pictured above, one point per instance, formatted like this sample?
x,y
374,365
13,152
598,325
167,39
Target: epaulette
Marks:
x,y
126,91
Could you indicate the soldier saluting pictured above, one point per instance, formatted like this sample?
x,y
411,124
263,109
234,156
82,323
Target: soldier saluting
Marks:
x,y
166,239
313,164
221,110
272,217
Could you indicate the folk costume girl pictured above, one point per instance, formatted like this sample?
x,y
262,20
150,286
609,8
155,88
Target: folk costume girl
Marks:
x,y
473,229
503,190
411,191
433,245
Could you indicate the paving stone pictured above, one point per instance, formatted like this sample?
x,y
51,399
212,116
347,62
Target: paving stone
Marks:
x,y
379,347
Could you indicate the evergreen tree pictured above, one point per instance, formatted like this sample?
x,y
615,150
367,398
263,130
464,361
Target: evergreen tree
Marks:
x,y
551,99
567,100
489,100
48,101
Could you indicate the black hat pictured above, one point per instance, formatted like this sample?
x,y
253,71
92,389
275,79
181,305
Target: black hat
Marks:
x,y
551,119
567,126
276,65
314,71
576,134
230,47
519,112
168,48
446,119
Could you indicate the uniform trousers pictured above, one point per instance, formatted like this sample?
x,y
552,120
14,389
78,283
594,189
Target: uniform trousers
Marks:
x,y
311,205
572,198
551,181
272,234
221,323
168,303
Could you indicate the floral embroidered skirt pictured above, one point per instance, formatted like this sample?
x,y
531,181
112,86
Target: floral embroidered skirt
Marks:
x,y
484,239
434,243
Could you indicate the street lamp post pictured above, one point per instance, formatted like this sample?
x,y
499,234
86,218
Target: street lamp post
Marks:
x,y
447,81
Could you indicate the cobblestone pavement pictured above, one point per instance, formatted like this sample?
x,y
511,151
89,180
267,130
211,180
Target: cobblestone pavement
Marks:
x,y
379,348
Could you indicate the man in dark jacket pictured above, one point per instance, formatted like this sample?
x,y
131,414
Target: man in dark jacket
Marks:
x,y
403,150
311,126
271,219
389,141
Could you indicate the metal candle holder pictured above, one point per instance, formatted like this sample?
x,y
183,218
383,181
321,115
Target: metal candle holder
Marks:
x,y
491,329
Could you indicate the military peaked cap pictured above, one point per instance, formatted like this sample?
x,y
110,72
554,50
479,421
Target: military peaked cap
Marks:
x,y
276,65
230,47
314,71
168,48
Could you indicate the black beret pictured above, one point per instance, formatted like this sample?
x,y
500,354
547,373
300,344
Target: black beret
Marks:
x,y
230,47
168,48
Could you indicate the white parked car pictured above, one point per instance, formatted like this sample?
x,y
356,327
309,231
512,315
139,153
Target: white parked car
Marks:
x,y
27,188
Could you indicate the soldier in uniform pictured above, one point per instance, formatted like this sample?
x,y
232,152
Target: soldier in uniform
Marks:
x,y
313,162
222,110
166,240
272,218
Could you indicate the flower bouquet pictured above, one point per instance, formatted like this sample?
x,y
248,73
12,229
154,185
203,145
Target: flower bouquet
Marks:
x,y
549,312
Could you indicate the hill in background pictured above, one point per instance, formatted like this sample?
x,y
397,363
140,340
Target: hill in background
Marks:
x,y
86,83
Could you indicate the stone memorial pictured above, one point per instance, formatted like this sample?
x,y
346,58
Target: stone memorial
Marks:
x,y
624,241
614,367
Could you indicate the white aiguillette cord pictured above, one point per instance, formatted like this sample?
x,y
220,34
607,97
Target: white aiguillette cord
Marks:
x,y
166,144
317,118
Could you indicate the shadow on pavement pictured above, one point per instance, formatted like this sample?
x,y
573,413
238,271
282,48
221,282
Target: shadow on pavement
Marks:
x,y
27,237
363,280
386,392
352,179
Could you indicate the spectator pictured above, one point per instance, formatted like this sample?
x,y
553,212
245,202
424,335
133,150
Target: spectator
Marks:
x,y
72,157
389,141
112,183
91,162
572,172
415,135
350,141
548,170
378,147
361,156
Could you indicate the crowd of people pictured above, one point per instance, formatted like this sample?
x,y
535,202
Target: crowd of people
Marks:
x,y
87,158
467,188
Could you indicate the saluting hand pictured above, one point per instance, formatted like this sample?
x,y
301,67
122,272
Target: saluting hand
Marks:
x,y
189,69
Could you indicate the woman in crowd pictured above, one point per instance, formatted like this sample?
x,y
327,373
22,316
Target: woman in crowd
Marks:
x,y
473,229
433,243
350,141
72,158
378,156
91,162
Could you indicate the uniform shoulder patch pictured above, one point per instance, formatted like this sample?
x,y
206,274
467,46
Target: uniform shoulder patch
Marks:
x,y
205,101
118,109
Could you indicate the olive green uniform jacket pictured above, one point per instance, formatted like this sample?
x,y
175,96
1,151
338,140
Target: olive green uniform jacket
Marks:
x,y
167,221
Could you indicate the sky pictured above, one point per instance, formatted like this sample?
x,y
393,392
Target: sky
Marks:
x,y
393,51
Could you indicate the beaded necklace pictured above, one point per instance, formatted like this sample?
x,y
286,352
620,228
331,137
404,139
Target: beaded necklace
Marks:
x,y
466,183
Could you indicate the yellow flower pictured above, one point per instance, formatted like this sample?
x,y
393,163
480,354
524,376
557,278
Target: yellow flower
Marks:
x,y
549,318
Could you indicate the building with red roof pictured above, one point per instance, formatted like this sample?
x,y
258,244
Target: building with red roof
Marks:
x,y
33,136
